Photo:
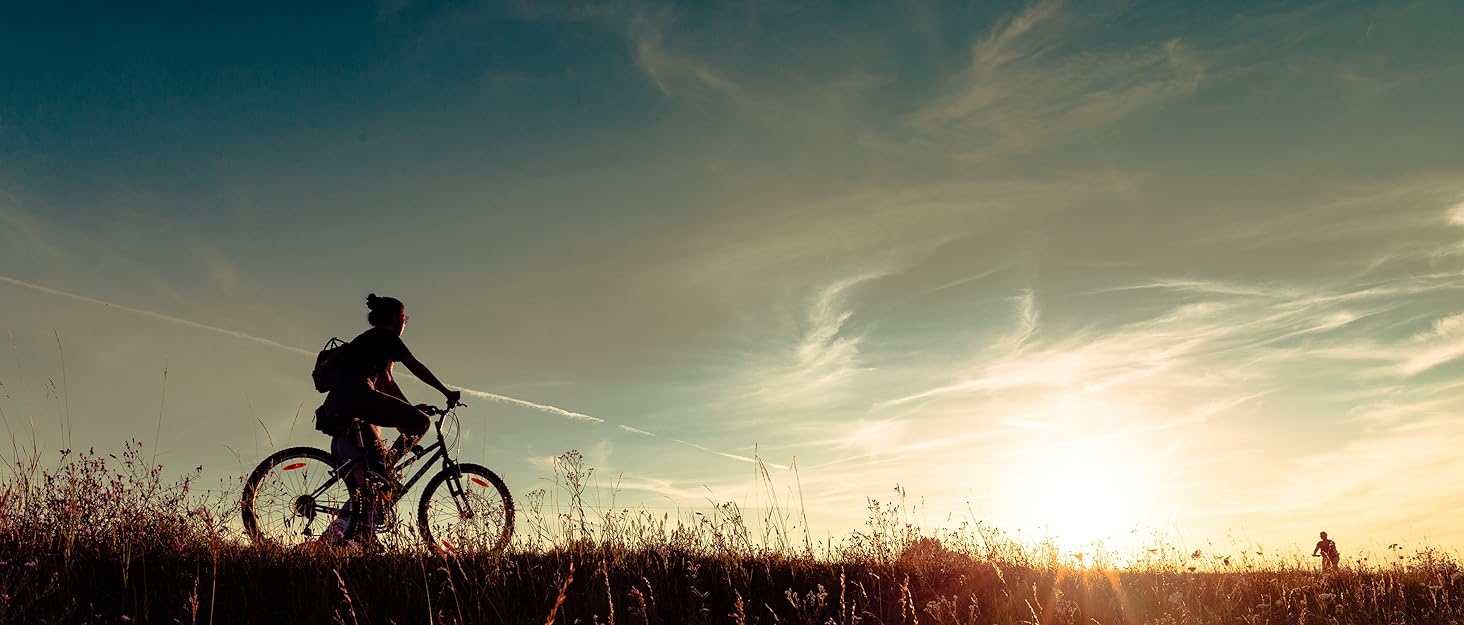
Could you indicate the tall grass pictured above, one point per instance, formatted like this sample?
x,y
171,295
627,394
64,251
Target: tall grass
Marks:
x,y
93,538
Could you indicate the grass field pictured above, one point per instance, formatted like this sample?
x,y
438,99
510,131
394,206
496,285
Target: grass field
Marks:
x,y
95,539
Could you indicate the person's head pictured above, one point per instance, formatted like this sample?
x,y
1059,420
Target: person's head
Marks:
x,y
1324,535
387,313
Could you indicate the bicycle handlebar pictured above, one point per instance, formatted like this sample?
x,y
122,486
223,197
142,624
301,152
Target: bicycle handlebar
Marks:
x,y
434,411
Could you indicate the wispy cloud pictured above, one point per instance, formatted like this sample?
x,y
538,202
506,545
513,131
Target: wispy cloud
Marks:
x,y
646,32
1455,214
1006,348
1236,324
1195,374
996,48
1026,327
822,358
1442,343
1024,87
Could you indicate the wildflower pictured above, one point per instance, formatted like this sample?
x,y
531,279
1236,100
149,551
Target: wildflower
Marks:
x,y
126,619
1326,596
31,564
1176,598
4,598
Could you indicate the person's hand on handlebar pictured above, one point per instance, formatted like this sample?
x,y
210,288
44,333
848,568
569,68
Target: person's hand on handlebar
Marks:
x,y
454,397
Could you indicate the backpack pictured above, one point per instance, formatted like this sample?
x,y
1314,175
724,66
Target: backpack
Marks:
x,y
330,421
330,365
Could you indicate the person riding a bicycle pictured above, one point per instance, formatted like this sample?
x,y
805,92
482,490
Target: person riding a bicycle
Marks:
x,y
367,397
305,497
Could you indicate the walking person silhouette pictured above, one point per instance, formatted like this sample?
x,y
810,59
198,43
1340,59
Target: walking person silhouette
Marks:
x,y
1328,551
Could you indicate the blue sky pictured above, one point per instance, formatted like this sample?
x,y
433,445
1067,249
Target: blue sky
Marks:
x,y
1087,266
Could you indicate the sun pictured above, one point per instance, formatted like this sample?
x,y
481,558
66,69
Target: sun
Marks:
x,y
1080,495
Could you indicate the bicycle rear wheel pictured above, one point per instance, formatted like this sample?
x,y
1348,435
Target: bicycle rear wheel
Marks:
x,y
468,514
294,496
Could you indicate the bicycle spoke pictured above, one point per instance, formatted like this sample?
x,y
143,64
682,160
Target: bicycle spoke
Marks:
x,y
475,518
296,499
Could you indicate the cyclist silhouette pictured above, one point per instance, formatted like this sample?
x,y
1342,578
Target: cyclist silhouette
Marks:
x,y
1328,551
367,392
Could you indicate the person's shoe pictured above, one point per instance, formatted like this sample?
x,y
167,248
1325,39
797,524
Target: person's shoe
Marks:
x,y
332,538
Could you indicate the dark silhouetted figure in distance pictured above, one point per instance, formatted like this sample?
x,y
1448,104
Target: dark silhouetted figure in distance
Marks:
x,y
1328,551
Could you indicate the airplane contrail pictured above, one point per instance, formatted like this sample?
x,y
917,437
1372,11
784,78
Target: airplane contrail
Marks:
x,y
737,457
155,315
276,344
569,414
577,416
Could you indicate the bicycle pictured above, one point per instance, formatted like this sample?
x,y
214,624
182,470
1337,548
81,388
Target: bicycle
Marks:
x,y
295,489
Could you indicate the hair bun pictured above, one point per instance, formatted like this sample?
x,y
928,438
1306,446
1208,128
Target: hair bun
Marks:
x,y
383,309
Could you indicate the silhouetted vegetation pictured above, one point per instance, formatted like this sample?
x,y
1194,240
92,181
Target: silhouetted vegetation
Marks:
x,y
102,539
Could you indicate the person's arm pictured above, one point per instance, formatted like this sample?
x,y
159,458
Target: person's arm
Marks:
x,y
1316,551
424,374
387,384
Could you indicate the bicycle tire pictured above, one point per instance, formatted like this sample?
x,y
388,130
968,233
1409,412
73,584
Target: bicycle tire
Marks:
x,y
495,508
271,513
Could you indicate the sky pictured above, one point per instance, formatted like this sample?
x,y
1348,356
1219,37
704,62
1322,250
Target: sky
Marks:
x,y
1081,270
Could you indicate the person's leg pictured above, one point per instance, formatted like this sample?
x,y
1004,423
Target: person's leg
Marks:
x,y
373,448
372,493
348,446
378,408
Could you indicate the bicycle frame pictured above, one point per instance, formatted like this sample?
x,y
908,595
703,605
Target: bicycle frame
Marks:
x,y
437,450
434,452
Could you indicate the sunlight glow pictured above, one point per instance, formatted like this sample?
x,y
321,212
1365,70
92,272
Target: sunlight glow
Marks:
x,y
1082,495
1456,214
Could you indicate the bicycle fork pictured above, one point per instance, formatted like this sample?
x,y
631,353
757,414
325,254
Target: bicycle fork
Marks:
x,y
459,494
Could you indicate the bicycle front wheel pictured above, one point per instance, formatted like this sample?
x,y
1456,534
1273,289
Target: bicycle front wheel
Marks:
x,y
470,513
294,496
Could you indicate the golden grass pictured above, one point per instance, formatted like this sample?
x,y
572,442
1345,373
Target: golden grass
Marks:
x,y
96,539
